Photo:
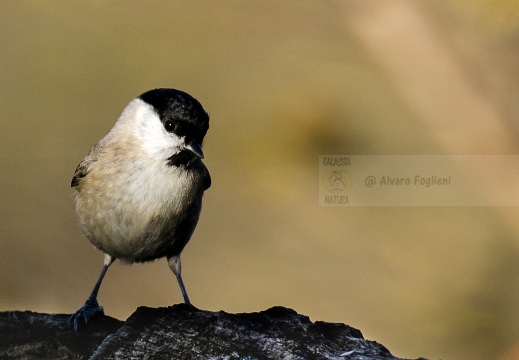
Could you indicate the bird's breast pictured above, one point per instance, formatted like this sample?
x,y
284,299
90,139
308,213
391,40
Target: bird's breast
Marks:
x,y
135,213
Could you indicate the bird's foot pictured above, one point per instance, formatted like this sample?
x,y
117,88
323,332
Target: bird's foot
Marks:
x,y
87,312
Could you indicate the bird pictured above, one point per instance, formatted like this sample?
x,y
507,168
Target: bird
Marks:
x,y
139,190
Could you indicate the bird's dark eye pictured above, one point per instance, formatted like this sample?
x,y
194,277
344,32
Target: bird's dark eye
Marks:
x,y
170,125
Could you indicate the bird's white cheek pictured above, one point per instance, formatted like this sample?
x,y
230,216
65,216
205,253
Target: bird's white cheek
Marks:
x,y
152,136
139,126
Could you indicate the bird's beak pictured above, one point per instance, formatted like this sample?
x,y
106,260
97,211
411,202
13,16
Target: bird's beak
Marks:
x,y
196,149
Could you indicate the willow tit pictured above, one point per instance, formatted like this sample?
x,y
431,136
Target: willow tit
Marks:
x,y
139,190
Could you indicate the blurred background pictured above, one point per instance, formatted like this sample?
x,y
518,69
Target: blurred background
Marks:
x,y
284,82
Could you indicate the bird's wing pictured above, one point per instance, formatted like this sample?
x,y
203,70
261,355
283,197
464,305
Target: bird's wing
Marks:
x,y
84,166
207,179
80,173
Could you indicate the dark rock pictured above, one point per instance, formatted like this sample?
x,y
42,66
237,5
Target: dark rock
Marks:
x,y
29,335
184,332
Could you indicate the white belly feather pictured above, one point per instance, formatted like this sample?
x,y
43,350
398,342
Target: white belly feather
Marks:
x,y
126,205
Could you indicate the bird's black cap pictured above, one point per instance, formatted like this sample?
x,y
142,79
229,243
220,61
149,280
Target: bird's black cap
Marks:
x,y
182,108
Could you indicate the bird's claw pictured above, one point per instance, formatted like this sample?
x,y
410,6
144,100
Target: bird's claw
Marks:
x,y
87,312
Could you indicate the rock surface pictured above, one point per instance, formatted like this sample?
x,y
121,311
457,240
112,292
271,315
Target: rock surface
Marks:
x,y
29,335
183,332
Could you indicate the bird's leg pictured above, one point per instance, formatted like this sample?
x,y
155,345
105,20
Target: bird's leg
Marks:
x,y
91,306
175,266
